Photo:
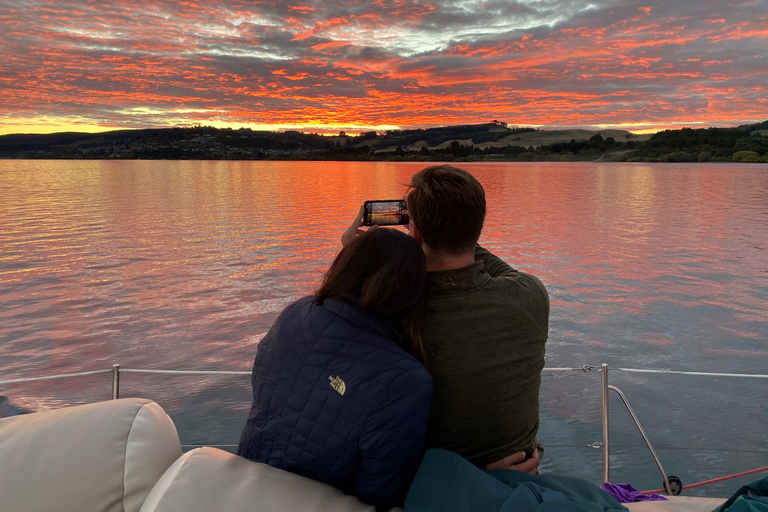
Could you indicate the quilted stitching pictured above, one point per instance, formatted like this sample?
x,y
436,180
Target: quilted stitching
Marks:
x,y
300,423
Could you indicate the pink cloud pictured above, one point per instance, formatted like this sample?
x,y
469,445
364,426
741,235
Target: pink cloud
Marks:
x,y
395,62
321,27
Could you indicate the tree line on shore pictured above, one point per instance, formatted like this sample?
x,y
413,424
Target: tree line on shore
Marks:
x,y
483,142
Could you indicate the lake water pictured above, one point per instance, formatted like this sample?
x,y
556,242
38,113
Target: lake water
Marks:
x,y
185,265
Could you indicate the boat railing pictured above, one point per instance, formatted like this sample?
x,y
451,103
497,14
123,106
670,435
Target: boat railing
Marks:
x,y
672,485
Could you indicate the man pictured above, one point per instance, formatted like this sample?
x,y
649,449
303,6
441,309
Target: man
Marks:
x,y
485,331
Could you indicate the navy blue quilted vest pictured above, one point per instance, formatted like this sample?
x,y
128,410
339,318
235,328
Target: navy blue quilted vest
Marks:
x,y
337,400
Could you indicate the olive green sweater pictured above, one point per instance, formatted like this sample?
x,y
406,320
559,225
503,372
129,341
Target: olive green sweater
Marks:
x,y
484,339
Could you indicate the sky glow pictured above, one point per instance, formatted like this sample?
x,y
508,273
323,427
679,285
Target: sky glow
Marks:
x,y
324,66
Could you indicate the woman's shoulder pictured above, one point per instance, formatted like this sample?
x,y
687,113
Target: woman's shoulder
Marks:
x,y
352,334
306,302
300,308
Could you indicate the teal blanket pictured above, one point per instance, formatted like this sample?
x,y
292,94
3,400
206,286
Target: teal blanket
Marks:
x,y
446,482
753,497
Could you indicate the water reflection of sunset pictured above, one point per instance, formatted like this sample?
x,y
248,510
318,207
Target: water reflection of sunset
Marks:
x,y
185,265
111,262
93,257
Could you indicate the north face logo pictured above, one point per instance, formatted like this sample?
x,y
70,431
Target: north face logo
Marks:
x,y
337,384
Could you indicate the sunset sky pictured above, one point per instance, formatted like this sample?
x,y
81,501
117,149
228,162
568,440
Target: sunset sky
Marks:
x,y
319,65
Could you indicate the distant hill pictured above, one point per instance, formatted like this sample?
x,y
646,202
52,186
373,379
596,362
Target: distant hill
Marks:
x,y
760,128
486,136
164,143
487,141
705,145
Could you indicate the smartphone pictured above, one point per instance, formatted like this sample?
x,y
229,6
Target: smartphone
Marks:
x,y
385,213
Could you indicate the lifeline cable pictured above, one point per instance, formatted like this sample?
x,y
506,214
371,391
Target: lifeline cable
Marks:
x,y
713,480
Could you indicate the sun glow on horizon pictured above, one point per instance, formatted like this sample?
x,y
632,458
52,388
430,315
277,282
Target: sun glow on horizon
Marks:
x,y
51,127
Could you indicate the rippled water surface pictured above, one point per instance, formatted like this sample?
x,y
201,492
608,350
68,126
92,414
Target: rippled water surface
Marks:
x,y
184,265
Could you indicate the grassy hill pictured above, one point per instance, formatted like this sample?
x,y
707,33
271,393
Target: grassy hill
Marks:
x,y
538,138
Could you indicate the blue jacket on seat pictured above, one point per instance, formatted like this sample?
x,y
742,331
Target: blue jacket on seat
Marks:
x,y
446,482
336,399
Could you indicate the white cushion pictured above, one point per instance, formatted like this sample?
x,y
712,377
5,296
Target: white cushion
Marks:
x,y
208,479
677,504
102,457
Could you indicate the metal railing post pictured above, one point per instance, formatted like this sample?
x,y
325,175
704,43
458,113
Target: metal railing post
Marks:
x,y
115,381
604,415
665,479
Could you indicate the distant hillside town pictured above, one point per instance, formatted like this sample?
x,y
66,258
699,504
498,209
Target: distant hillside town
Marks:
x,y
494,141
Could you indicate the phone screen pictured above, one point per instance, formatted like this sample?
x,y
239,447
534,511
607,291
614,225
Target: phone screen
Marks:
x,y
385,213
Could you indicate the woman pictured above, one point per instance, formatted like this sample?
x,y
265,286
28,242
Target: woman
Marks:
x,y
337,395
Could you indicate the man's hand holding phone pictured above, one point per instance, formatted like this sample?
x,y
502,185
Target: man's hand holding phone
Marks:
x,y
391,212
354,229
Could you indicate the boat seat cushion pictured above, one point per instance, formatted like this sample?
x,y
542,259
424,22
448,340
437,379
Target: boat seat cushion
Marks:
x,y
207,479
101,457
677,504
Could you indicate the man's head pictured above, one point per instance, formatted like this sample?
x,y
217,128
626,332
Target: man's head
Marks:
x,y
447,206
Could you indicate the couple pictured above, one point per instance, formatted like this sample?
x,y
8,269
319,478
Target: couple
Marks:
x,y
343,382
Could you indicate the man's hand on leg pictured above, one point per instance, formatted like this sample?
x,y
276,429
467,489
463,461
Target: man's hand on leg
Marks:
x,y
518,462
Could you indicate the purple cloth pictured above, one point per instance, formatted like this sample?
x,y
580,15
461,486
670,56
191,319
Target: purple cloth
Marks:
x,y
625,493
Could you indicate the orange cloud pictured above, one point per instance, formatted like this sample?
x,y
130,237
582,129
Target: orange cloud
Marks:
x,y
390,62
321,27
331,45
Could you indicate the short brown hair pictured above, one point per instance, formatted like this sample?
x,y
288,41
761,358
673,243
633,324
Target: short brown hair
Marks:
x,y
447,204
383,271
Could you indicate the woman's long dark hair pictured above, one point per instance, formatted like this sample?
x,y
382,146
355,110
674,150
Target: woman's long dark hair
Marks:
x,y
383,271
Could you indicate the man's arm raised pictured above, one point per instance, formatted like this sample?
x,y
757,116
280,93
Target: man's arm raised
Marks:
x,y
494,266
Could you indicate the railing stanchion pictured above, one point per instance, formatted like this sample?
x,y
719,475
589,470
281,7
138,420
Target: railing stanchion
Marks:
x,y
665,479
604,414
115,381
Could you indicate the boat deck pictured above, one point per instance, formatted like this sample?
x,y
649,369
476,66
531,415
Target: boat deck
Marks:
x,y
677,504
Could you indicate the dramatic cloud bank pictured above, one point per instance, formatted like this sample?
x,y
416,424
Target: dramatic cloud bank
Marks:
x,y
352,65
